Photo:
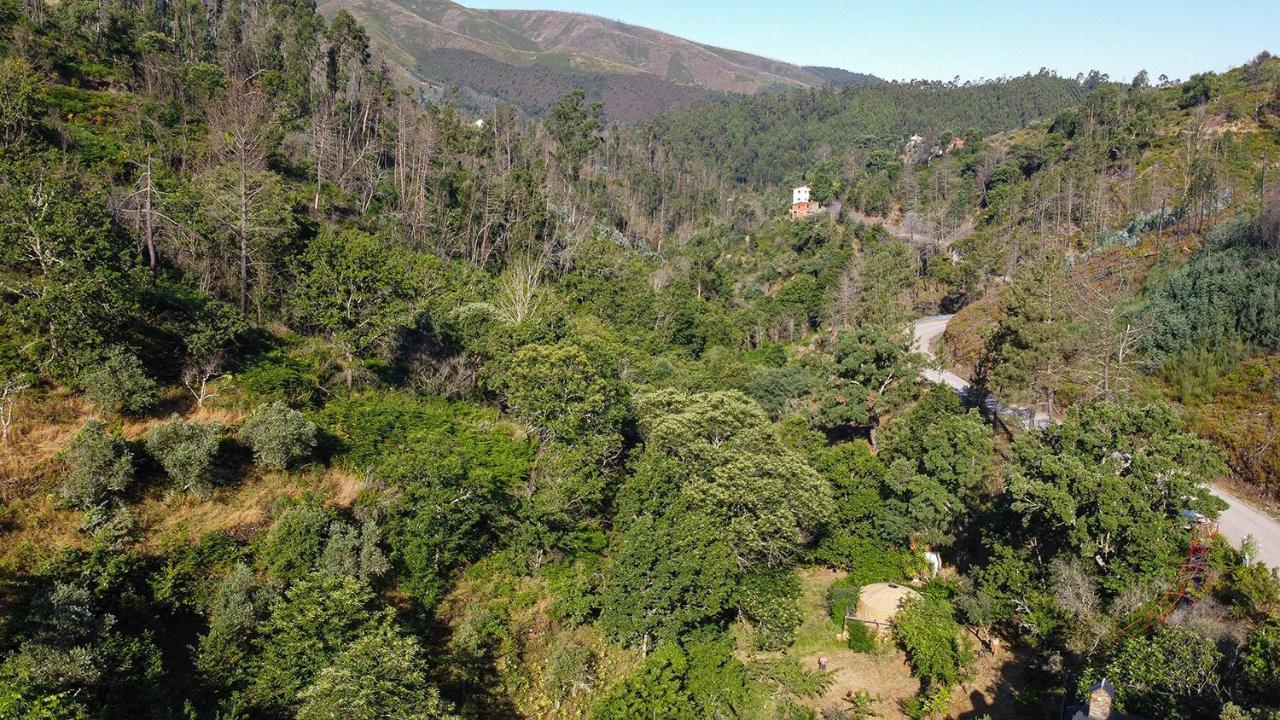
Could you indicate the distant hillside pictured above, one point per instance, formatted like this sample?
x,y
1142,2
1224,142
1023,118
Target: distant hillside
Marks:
x,y
765,139
529,58
840,77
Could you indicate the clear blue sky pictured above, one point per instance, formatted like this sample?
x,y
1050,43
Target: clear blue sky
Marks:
x,y
939,40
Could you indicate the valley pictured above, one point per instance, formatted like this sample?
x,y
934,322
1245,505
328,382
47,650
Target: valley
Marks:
x,y
398,359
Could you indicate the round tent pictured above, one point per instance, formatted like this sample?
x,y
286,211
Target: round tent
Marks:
x,y
878,604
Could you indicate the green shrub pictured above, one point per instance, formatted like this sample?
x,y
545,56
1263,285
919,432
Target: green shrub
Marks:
x,y
842,597
277,376
100,472
292,547
1260,662
118,384
861,638
279,435
186,450
868,560
926,628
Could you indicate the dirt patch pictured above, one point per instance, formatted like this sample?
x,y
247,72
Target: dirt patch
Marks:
x,y
885,674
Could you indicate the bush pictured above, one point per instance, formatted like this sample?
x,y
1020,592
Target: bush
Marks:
x,y
185,450
118,384
1260,662
278,376
101,470
279,435
861,638
927,629
292,547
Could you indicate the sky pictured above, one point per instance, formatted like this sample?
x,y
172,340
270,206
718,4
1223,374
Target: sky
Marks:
x,y
940,40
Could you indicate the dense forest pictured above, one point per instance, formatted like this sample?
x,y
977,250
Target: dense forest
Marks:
x,y
318,400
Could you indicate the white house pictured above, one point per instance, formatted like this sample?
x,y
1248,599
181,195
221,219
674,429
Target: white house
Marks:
x,y
800,195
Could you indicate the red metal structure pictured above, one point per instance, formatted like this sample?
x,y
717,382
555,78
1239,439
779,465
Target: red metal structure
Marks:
x,y
1190,576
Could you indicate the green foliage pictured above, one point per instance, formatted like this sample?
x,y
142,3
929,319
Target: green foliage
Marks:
x,y
278,376
1198,90
1260,662
926,628
1109,485
355,292
100,472
354,552
861,638
561,392
655,690
19,98
310,627
940,460
789,675
382,674
454,469
667,576
293,544
1031,337
574,126
279,435
873,373
930,704
571,669
770,602
89,641
240,602
186,451
1171,674
1223,297
119,384
764,139
736,474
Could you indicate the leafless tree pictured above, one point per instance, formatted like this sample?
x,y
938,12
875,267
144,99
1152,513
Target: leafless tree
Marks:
x,y
198,375
10,392
1110,346
848,292
240,127
520,293
141,209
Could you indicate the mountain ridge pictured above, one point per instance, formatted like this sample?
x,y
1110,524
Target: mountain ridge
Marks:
x,y
528,57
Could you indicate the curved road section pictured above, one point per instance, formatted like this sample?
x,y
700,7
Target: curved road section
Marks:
x,y
1238,521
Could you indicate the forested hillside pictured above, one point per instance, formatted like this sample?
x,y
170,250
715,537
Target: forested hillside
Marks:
x,y
768,139
319,401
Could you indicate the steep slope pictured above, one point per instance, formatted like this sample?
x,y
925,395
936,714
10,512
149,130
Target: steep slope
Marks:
x,y
529,58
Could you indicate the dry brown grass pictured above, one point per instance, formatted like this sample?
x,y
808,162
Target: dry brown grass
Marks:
x,y
43,424
29,469
243,509
34,527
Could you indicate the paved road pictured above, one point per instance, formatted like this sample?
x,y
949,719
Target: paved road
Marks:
x,y
925,330
1236,522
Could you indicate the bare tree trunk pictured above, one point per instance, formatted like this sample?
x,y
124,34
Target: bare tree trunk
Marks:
x,y
244,240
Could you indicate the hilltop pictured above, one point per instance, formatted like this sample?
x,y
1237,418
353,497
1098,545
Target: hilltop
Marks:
x,y
531,57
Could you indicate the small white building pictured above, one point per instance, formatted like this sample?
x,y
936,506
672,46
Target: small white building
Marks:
x,y
801,206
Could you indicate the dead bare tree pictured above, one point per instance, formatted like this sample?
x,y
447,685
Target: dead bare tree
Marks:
x,y
1110,350
241,129
198,375
141,209
10,393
